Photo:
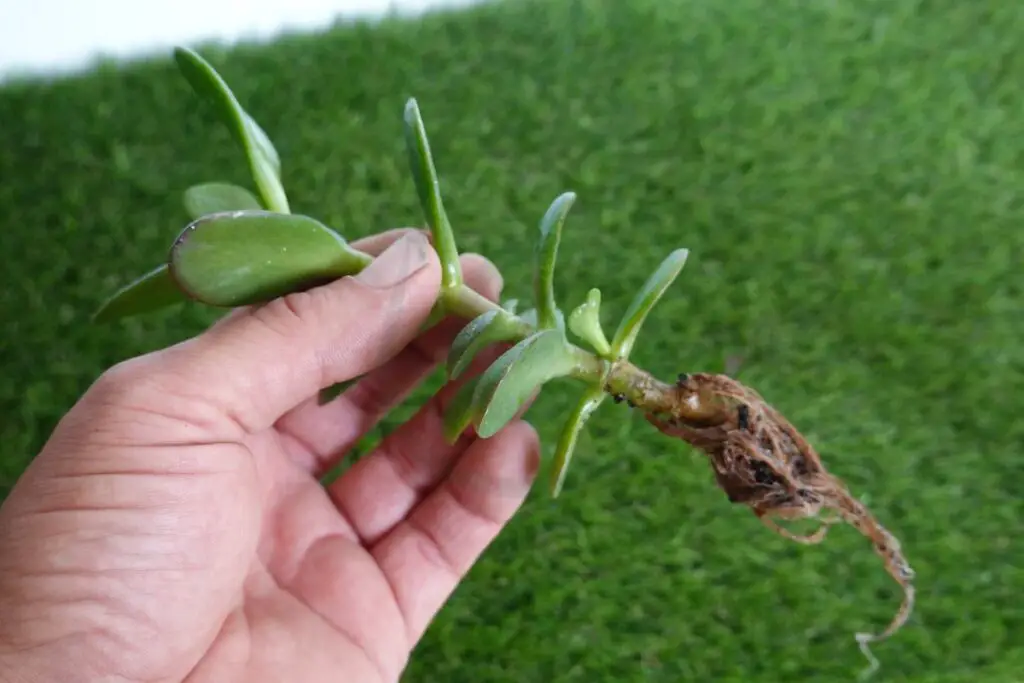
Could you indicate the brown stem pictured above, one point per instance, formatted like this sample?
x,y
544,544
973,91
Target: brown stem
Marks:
x,y
657,398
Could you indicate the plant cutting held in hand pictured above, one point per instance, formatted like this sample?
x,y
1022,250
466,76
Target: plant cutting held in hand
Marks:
x,y
243,249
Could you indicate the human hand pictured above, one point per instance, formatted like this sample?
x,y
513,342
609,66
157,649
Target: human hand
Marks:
x,y
174,526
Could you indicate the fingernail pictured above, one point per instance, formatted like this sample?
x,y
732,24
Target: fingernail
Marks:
x,y
397,263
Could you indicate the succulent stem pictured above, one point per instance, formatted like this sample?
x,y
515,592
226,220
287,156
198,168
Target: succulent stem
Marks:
x,y
623,379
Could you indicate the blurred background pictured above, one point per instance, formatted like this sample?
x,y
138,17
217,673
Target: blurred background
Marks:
x,y
849,179
62,36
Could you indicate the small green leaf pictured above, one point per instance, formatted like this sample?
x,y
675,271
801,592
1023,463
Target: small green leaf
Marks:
x,y
546,256
264,161
570,435
428,188
585,323
488,328
239,258
438,312
644,301
512,379
511,305
458,416
328,394
150,292
208,198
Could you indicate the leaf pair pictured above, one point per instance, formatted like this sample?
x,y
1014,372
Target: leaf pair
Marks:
x,y
238,258
490,401
264,161
542,353
545,354
585,323
585,319
493,399
207,266
157,289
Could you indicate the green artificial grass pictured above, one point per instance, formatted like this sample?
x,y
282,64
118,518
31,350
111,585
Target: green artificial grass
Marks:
x,y
849,178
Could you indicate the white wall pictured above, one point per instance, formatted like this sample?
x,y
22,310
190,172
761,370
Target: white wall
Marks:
x,y
57,36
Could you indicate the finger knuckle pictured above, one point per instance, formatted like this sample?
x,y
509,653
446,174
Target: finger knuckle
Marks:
x,y
123,381
284,314
433,550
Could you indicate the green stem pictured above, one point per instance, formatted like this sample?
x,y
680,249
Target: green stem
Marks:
x,y
468,303
621,378
618,378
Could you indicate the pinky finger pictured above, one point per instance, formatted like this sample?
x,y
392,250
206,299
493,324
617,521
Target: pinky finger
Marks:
x,y
427,554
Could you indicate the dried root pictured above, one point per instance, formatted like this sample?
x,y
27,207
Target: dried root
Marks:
x,y
760,460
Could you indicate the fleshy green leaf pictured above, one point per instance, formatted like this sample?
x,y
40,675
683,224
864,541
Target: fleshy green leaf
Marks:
x,y
239,258
328,394
437,313
428,188
264,161
487,328
546,256
570,435
262,144
208,198
585,323
644,301
150,292
458,416
511,380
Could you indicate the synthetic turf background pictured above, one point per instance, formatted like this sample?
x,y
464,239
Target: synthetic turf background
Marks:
x,y
849,178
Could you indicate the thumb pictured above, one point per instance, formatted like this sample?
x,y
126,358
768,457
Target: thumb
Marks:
x,y
254,367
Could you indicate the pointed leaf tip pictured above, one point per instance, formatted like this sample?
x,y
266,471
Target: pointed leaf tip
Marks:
x,y
412,111
459,414
148,293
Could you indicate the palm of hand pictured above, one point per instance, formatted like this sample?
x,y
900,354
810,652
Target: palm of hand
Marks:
x,y
178,543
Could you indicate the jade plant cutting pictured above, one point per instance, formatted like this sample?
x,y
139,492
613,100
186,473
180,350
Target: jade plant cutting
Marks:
x,y
244,248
